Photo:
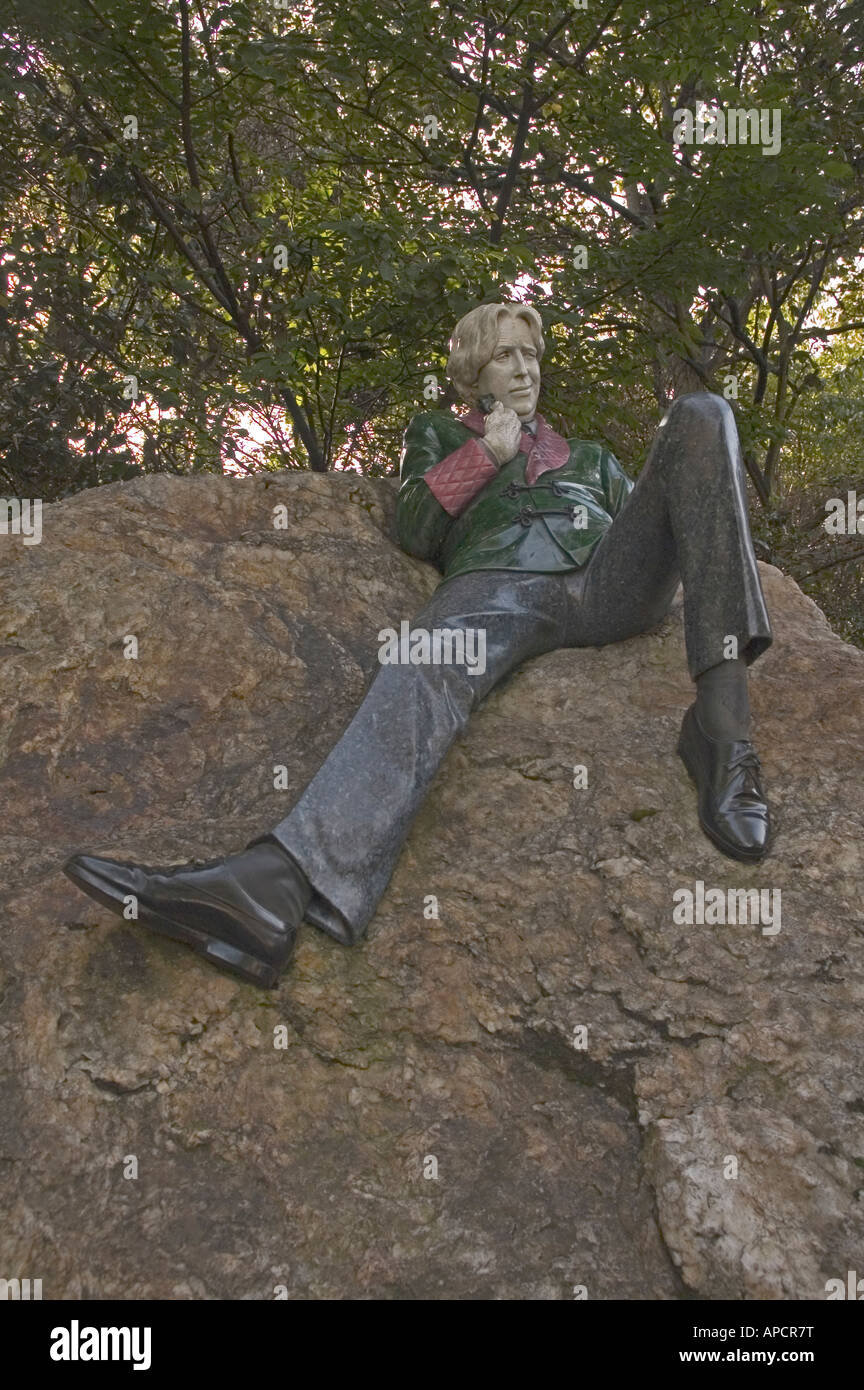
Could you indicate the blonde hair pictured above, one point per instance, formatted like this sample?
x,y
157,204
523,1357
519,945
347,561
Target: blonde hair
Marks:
x,y
474,339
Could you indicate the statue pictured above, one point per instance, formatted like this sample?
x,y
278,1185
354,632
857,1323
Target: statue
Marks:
x,y
542,543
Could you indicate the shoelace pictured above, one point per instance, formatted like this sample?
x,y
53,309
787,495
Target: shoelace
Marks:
x,y
748,761
747,758
166,869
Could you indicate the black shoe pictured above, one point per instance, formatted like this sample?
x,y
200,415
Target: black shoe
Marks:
x,y
242,912
733,811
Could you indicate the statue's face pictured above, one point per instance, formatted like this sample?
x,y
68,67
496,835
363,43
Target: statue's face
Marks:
x,y
512,375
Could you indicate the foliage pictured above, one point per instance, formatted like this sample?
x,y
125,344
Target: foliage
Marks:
x,y
270,214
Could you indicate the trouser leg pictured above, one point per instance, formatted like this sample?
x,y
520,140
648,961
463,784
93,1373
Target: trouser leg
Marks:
x,y
686,518
348,827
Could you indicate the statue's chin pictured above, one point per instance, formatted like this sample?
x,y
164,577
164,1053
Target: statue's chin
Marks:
x,y
524,411
525,406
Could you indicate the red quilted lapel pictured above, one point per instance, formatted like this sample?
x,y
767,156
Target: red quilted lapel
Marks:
x,y
544,450
474,420
549,451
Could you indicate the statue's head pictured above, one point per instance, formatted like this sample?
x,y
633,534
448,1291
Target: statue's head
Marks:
x,y
495,350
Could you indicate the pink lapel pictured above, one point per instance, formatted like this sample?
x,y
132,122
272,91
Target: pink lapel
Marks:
x,y
544,450
473,420
549,451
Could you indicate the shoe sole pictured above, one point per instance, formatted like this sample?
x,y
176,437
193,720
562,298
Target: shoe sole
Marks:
x,y
731,852
248,968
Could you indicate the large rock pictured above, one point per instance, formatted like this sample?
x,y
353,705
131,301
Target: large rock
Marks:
x,y
609,1166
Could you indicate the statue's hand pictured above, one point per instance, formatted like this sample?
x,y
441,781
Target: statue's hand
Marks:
x,y
503,431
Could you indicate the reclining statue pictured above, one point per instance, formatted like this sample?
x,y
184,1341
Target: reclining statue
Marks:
x,y
542,542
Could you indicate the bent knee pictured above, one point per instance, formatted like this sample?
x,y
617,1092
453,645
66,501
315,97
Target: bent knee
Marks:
x,y
701,405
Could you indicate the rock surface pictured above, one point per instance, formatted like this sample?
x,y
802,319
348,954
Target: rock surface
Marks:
x,y
304,1167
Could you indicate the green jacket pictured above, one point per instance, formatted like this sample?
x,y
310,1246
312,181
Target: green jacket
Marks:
x,y
544,510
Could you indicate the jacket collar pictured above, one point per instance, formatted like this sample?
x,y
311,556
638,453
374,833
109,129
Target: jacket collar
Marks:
x,y
544,450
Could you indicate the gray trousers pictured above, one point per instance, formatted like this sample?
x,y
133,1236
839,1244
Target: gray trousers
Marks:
x,y
686,520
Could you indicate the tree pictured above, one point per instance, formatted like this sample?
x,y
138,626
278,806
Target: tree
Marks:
x,y
271,218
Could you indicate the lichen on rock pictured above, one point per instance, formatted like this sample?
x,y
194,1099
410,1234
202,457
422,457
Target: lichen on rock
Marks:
x,y
581,1069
